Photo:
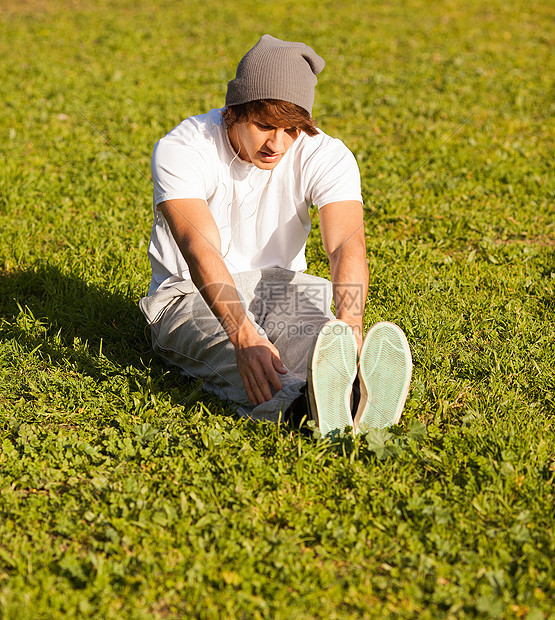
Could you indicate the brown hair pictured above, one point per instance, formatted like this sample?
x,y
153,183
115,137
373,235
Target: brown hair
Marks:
x,y
272,111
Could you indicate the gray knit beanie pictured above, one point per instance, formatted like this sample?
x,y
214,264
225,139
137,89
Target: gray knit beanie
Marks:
x,y
275,69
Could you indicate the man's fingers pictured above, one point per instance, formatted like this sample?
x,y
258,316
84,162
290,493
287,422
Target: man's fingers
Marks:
x,y
278,365
249,391
263,385
274,378
257,387
270,366
256,395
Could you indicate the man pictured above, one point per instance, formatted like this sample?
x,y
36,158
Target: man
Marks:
x,y
229,301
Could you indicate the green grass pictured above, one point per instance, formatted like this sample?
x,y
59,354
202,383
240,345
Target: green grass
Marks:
x,y
125,492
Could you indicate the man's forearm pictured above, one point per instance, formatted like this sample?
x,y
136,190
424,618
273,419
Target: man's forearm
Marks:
x,y
198,239
349,275
211,276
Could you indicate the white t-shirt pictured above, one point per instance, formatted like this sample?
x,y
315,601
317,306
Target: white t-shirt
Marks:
x,y
262,215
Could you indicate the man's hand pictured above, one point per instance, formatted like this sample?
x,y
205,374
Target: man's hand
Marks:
x,y
259,364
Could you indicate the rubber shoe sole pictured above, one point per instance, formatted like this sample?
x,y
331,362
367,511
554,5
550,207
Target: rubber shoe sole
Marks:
x,y
332,368
385,369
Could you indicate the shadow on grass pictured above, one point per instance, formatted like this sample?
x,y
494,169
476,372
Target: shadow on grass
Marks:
x,y
71,320
67,305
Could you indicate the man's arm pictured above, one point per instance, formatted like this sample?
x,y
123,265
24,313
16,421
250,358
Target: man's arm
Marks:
x,y
198,239
342,226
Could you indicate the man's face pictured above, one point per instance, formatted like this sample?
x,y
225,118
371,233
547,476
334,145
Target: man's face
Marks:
x,y
260,143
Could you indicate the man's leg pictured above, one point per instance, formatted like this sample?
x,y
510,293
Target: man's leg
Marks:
x,y
187,334
292,307
296,316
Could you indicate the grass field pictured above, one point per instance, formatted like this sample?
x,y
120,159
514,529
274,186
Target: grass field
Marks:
x,y
127,493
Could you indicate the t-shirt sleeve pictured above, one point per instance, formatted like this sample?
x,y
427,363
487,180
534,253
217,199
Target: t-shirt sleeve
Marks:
x,y
335,176
178,171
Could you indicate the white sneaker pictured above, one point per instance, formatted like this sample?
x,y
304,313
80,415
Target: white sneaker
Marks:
x,y
332,368
385,369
